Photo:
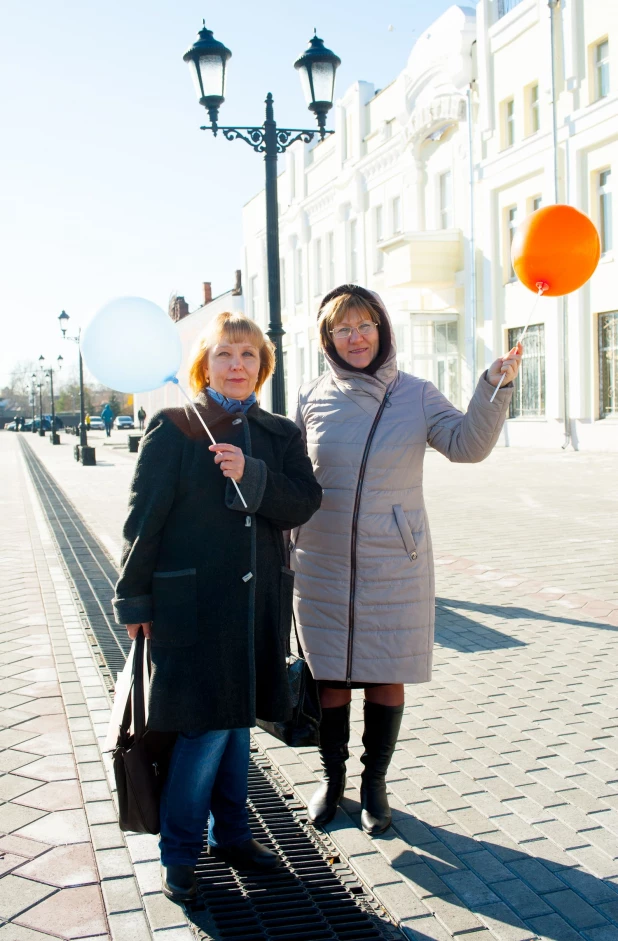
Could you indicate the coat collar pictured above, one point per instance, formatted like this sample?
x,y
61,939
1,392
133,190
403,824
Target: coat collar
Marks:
x,y
213,413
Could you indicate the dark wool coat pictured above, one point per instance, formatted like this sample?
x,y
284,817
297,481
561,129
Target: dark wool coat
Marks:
x,y
209,573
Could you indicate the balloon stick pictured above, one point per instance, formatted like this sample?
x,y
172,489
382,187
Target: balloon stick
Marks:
x,y
206,428
541,286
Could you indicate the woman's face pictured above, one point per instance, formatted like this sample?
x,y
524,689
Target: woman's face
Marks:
x,y
233,368
357,350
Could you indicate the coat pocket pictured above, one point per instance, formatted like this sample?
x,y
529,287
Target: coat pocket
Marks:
x,y
174,598
286,601
406,533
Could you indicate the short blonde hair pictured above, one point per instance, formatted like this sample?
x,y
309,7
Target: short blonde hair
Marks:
x,y
233,328
335,310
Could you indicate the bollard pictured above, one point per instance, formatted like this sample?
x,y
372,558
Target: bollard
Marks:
x,y
55,437
134,441
87,456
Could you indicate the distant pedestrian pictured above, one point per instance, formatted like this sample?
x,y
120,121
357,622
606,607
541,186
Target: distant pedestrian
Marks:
x,y
141,417
87,422
108,419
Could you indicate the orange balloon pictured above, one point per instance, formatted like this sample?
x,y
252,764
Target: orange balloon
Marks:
x,y
557,245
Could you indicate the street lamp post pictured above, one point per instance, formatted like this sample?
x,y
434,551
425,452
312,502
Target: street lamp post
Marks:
x,y
317,67
40,384
49,372
33,378
83,453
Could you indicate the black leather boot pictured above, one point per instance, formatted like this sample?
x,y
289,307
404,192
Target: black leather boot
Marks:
x,y
334,738
382,724
247,855
178,882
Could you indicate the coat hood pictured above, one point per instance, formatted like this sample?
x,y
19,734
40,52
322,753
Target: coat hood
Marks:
x,y
383,369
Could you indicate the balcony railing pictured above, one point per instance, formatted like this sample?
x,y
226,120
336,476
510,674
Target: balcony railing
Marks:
x,y
505,6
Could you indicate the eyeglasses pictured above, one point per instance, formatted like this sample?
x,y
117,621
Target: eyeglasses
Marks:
x,y
364,329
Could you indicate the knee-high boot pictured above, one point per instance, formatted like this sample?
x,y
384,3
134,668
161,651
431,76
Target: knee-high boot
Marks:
x,y
382,725
334,738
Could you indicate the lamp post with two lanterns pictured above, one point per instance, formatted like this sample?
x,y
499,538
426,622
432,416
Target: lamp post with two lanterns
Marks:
x,y
317,67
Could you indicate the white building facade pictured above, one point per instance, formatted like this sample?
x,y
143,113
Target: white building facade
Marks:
x,y
418,193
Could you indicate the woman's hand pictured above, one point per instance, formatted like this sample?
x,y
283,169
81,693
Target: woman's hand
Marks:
x,y
505,365
133,629
231,459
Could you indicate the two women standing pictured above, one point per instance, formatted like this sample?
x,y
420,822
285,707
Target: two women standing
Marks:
x,y
206,578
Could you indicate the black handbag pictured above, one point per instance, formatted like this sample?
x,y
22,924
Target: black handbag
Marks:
x,y
303,728
141,757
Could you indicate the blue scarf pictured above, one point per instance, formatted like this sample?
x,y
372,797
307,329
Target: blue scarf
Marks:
x,y
232,405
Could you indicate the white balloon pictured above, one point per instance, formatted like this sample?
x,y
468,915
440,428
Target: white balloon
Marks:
x,y
131,345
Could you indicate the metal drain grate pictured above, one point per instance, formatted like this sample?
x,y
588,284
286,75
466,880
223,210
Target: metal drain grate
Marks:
x,y
315,896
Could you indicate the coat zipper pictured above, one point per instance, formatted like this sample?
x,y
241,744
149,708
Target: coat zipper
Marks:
x,y
357,500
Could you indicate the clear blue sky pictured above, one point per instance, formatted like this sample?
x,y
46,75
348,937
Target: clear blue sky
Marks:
x,y
107,185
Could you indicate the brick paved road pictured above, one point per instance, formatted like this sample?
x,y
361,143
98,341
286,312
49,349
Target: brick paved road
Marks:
x,y
66,870
505,781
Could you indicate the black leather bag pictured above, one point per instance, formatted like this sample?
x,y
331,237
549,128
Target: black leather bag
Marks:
x,y
303,729
141,757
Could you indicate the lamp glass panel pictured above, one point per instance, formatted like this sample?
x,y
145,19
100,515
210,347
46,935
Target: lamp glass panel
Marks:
x,y
306,84
323,80
212,70
195,75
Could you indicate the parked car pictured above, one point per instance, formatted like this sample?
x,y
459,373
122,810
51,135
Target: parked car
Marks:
x,y
96,423
123,422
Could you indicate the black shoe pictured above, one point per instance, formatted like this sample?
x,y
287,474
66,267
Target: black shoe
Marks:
x,y
382,724
179,883
334,738
247,855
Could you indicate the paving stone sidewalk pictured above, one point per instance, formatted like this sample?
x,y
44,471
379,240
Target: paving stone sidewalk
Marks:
x,y
505,781
66,870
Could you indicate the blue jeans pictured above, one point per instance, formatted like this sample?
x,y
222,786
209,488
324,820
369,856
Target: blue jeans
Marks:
x,y
206,783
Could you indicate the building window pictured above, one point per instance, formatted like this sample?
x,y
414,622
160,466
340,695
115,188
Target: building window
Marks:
x,y
396,214
331,259
511,226
601,69
446,200
298,276
378,228
321,362
529,387
446,354
254,297
282,282
509,122
318,266
505,6
535,117
608,364
605,211
353,249
536,203
302,359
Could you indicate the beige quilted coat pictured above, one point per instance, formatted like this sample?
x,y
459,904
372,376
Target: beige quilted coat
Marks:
x,y
364,593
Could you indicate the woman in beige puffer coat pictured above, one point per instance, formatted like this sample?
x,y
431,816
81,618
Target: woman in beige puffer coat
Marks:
x,y
364,594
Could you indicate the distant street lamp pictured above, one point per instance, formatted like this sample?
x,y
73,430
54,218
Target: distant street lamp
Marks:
x,y
317,66
88,456
40,385
33,401
49,372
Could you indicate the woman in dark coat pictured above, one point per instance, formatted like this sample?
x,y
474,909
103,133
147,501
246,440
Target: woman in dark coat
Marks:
x,y
205,577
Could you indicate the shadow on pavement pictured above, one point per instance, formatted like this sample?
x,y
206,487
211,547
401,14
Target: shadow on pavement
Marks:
x,y
459,632
456,874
